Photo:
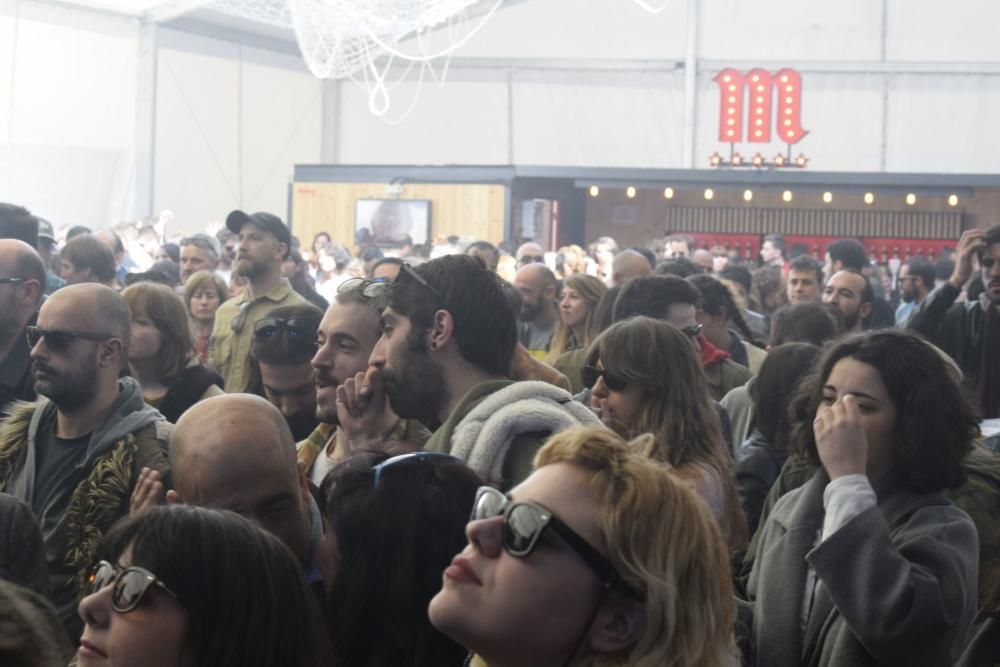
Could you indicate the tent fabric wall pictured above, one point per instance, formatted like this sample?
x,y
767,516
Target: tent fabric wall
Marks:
x,y
67,112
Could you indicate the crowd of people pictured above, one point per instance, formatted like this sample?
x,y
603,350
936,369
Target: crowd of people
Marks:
x,y
233,449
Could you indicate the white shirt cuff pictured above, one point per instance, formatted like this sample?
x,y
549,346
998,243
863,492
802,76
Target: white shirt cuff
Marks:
x,y
843,499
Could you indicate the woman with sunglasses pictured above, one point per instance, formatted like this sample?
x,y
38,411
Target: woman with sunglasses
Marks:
x,y
183,585
161,355
204,292
868,562
601,557
645,378
393,525
577,328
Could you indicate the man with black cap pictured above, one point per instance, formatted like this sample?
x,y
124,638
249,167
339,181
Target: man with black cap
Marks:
x,y
47,250
264,244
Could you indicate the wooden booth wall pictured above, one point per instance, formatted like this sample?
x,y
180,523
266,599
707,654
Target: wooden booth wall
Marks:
x,y
456,209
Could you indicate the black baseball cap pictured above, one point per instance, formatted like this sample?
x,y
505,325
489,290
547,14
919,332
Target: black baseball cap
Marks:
x,y
266,221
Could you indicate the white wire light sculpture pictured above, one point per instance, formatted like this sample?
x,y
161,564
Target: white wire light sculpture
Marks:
x,y
361,39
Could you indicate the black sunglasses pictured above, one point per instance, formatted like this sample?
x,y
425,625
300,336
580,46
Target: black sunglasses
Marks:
x,y
59,341
411,457
693,331
525,522
298,327
590,374
131,584
406,269
531,259
12,281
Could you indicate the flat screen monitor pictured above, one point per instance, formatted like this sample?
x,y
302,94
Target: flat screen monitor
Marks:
x,y
392,222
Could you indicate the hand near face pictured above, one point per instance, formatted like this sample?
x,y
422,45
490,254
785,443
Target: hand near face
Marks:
x,y
362,409
971,242
840,439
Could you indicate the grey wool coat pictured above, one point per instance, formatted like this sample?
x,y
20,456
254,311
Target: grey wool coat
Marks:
x,y
897,583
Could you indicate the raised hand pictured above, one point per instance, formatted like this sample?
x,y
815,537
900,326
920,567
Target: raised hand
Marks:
x,y
362,409
972,242
148,492
840,439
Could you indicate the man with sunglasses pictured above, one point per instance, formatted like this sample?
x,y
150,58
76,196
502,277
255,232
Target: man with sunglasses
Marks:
x,y
677,301
264,244
969,331
22,281
76,453
445,357
284,343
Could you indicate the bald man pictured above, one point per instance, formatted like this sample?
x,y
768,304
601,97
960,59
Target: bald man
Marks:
x,y
235,452
22,282
539,313
75,454
628,264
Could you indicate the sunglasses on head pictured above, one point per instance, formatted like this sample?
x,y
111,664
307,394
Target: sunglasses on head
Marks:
x,y
524,523
59,341
590,374
531,259
407,270
403,458
130,585
370,289
269,327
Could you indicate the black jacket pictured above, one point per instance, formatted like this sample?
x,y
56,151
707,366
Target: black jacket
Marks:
x,y
957,328
758,465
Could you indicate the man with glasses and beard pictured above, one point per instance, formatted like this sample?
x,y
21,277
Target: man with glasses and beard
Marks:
x,y
344,341
264,244
22,281
75,454
448,337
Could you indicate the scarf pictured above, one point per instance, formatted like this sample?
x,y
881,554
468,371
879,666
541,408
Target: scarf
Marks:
x,y
710,355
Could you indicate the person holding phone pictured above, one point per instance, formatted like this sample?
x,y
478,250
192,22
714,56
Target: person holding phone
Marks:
x,y
868,562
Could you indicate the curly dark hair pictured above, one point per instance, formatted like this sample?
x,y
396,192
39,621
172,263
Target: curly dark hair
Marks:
x,y
936,423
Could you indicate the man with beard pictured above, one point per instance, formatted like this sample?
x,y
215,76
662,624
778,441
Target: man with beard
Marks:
x,y
851,293
969,331
284,342
263,246
539,313
445,355
916,280
22,280
76,453
346,336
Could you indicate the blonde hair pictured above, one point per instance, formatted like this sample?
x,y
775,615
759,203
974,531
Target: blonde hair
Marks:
x,y
666,545
591,289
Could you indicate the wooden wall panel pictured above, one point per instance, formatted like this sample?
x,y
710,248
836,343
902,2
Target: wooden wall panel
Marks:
x,y
461,209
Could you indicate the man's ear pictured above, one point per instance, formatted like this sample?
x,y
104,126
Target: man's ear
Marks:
x,y
442,330
550,292
618,625
112,351
32,292
865,310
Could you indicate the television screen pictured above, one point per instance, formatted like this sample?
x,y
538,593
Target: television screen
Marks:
x,y
392,222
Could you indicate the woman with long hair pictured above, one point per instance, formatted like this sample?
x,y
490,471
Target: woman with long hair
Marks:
x,y
161,355
394,524
600,558
868,562
204,292
184,585
578,326
645,378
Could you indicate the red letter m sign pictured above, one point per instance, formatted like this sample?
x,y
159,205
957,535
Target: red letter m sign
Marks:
x,y
760,87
